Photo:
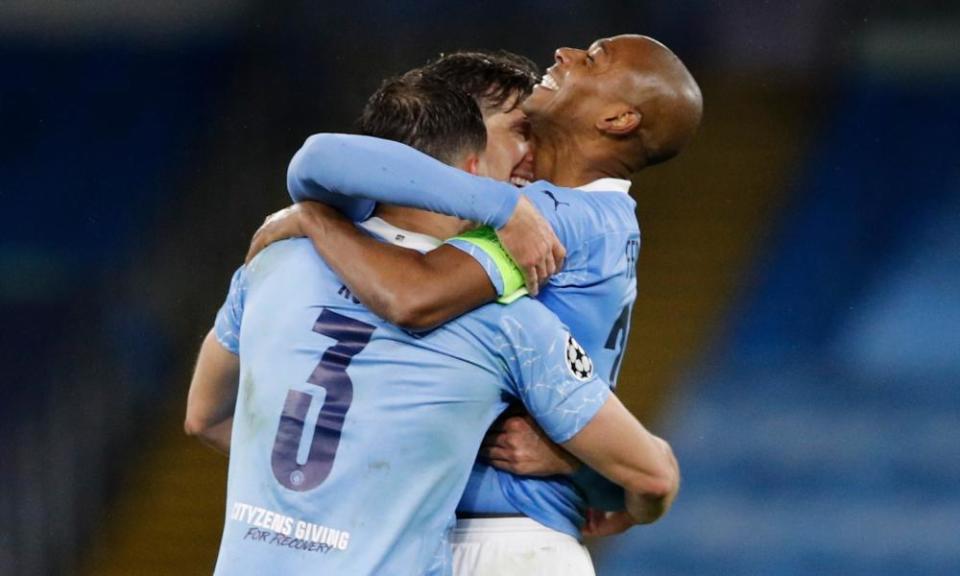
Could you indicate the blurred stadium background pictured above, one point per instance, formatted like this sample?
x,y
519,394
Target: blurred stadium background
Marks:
x,y
797,333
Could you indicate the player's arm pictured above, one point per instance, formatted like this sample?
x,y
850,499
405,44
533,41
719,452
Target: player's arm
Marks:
x,y
517,444
617,445
352,173
330,167
614,444
580,413
404,287
213,395
213,389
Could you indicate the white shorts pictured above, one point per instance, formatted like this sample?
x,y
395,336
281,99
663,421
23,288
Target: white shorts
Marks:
x,y
516,547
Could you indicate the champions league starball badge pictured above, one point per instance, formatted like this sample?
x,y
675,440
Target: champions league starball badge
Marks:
x,y
579,364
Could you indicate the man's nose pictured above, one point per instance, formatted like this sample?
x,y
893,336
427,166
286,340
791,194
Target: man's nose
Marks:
x,y
564,55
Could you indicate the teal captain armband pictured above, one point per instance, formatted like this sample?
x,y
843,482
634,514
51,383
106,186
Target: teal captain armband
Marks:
x,y
485,238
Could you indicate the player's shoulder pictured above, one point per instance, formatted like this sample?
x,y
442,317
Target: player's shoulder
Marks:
x,y
525,315
290,248
286,258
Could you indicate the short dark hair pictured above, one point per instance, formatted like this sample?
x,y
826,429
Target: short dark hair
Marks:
x,y
426,114
491,77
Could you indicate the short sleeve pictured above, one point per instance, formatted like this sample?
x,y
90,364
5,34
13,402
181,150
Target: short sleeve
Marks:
x,y
555,377
227,324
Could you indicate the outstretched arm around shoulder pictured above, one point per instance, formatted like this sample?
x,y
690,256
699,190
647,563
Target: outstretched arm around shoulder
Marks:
x,y
404,287
352,173
409,289
333,167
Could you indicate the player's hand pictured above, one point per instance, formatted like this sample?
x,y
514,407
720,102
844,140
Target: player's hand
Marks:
x,y
278,226
601,523
532,244
518,445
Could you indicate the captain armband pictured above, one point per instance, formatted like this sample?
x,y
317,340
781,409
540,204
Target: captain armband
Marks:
x,y
485,238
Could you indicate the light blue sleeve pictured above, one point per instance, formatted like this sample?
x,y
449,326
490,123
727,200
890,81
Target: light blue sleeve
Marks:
x,y
484,259
554,376
353,173
227,325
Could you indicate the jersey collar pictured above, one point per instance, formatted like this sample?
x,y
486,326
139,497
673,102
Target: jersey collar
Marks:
x,y
399,236
607,185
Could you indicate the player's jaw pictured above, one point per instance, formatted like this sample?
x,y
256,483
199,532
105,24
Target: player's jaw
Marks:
x,y
546,91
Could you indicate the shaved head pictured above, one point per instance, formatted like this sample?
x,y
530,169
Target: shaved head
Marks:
x,y
624,103
667,97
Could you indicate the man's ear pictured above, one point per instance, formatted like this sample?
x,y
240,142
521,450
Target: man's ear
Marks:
x,y
620,121
472,163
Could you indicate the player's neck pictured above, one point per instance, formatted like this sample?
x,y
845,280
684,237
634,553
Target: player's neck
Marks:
x,y
566,161
439,226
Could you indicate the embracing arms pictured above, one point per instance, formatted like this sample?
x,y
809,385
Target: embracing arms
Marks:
x,y
353,173
409,289
614,444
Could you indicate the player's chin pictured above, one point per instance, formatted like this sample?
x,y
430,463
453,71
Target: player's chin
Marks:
x,y
538,99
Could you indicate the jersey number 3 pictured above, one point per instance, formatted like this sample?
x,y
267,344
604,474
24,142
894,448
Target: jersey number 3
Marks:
x,y
311,422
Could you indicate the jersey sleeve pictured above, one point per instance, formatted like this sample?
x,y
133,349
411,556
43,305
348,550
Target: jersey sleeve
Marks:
x,y
227,325
483,246
353,173
553,375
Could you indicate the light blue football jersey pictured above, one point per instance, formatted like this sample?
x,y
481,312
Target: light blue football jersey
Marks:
x,y
352,439
593,294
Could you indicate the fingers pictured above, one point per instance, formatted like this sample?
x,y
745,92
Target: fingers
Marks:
x,y
532,278
507,466
253,250
278,226
261,239
559,255
516,424
545,269
532,243
551,265
606,523
491,440
519,468
590,524
549,261
496,453
538,273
